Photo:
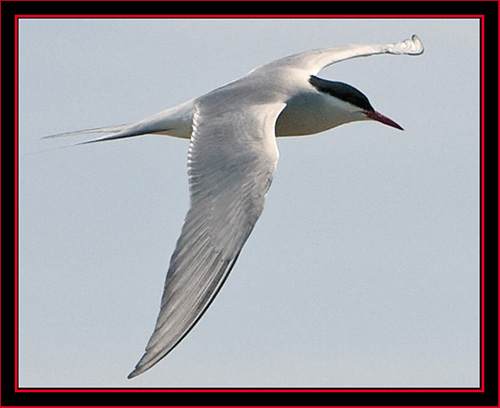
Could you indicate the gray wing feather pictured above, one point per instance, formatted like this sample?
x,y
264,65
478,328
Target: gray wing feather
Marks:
x,y
315,60
232,158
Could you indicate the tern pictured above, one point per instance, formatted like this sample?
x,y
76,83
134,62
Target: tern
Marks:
x,y
231,162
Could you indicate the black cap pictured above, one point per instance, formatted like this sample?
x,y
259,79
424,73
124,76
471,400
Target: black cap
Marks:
x,y
343,92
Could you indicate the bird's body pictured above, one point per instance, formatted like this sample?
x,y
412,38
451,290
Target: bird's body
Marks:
x,y
231,163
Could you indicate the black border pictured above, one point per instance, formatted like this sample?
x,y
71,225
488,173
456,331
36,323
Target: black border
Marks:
x,y
489,397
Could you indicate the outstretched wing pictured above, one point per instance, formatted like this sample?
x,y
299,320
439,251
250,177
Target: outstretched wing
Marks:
x,y
232,158
315,60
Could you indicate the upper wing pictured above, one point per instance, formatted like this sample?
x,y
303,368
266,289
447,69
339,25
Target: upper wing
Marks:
x,y
232,158
315,60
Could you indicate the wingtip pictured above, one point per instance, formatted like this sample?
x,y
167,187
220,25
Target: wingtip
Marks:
x,y
411,46
138,370
135,372
418,47
132,375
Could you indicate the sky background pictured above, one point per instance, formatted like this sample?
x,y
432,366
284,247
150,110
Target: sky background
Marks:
x,y
363,270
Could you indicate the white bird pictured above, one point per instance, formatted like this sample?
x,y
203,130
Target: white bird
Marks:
x,y
231,162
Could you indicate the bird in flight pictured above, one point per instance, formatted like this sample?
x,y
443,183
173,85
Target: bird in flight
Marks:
x,y
231,162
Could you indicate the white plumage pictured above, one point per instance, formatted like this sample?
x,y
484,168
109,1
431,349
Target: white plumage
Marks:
x,y
232,159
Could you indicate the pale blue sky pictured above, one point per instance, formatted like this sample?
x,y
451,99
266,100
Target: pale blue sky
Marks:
x,y
363,270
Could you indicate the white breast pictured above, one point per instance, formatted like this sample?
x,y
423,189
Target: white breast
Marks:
x,y
312,112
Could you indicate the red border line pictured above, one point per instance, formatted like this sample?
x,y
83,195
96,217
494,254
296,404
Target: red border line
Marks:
x,y
16,200
253,390
481,210
243,16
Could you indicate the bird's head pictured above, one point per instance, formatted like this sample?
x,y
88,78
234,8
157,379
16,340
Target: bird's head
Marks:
x,y
354,104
